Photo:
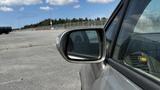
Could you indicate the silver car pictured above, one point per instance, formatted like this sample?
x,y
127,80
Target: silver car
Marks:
x,y
124,55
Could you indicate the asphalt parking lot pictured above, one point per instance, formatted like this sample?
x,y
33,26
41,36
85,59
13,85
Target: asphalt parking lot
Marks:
x,y
29,60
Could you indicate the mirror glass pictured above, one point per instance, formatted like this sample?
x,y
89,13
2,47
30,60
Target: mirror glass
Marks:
x,y
84,45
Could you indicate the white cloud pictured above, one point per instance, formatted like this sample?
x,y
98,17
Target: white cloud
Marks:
x,y
61,2
76,6
100,1
6,9
47,8
19,2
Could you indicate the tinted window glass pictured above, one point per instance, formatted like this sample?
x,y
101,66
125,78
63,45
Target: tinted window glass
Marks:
x,y
84,43
112,29
139,39
92,36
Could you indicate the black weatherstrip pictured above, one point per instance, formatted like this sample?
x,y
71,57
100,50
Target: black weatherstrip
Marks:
x,y
140,80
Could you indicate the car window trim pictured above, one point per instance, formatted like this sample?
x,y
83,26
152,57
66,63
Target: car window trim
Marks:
x,y
113,15
126,4
118,9
142,80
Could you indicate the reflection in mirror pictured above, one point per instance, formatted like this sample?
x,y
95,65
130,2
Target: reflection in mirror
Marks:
x,y
83,45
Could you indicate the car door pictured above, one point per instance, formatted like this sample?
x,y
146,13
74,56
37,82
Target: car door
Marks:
x,y
136,53
132,62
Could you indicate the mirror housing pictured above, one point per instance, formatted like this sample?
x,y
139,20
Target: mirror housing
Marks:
x,y
82,45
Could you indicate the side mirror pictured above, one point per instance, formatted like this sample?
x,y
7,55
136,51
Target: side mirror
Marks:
x,y
83,45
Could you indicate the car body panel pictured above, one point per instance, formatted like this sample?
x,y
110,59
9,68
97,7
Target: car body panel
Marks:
x,y
108,79
5,30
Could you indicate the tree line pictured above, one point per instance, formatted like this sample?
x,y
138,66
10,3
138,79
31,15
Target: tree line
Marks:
x,y
48,22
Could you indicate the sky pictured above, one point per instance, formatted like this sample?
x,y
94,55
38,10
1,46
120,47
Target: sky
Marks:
x,y
17,13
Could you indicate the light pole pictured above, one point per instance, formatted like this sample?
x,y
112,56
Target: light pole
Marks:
x,y
51,23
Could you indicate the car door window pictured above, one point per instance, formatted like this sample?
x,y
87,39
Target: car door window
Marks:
x,y
139,39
